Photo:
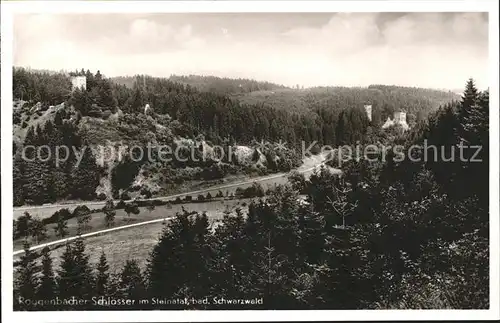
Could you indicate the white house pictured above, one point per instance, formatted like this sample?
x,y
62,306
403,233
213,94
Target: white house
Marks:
x,y
79,82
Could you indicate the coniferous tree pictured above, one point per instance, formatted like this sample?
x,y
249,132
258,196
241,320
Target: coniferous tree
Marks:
x,y
75,275
131,281
109,213
84,176
66,280
177,241
38,230
471,94
18,178
61,227
83,216
23,225
26,282
84,270
102,278
47,289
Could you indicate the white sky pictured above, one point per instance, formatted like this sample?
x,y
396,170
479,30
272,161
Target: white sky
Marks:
x,y
417,49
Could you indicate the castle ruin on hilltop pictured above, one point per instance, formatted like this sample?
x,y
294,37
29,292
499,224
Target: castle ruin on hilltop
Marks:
x,y
78,82
368,109
399,120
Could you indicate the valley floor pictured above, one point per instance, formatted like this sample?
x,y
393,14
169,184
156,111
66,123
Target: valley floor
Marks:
x,y
308,166
137,241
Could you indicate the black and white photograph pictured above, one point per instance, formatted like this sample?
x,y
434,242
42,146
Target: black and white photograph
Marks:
x,y
249,160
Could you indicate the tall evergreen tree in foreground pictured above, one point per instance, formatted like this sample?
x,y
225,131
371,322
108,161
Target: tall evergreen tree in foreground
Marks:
x,y
470,95
75,275
26,282
132,281
102,278
473,132
47,289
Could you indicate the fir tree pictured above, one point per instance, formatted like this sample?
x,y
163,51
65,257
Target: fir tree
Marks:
x,y
109,213
61,227
23,225
131,280
102,279
75,275
26,282
84,270
47,289
470,96
67,280
84,176
83,217
172,256
38,230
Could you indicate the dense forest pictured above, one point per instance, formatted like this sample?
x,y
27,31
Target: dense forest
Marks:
x,y
223,116
391,234
112,110
212,83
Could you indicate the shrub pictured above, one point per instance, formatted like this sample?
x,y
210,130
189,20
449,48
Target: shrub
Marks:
x,y
135,188
65,214
81,209
146,193
125,196
256,190
121,204
16,119
201,198
298,181
106,114
239,192
131,208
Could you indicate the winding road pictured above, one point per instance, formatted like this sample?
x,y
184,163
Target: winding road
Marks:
x,y
318,161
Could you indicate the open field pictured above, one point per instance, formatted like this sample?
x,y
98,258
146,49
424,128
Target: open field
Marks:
x,y
137,242
97,222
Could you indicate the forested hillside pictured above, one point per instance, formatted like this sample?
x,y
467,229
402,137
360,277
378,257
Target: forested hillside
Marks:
x,y
225,85
112,112
388,234
210,83
109,114
417,102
